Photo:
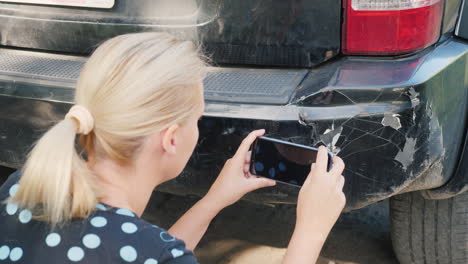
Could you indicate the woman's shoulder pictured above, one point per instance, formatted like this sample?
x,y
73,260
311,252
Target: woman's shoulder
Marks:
x,y
128,238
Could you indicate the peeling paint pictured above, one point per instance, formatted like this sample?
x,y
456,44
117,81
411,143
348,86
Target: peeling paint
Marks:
x,y
301,120
414,97
330,138
228,131
406,156
392,120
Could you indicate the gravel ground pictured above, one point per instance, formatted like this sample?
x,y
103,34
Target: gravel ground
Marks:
x,y
253,233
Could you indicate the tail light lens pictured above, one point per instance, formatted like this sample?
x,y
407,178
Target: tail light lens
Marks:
x,y
390,27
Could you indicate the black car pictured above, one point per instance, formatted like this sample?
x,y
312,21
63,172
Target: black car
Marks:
x,y
382,83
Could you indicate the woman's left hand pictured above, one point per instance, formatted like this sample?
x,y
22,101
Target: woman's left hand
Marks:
x,y
235,180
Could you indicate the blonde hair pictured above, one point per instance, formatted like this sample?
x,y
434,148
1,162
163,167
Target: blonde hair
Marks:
x,y
133,85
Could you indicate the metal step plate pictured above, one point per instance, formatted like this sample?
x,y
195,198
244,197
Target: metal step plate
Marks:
x,y
40,65
236,85
252,85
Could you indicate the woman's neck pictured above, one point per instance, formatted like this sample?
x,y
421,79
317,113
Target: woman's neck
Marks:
x,y
128,187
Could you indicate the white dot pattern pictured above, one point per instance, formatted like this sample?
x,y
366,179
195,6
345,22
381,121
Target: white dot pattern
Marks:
x,y
11,208
166,237
53,239
126,212
151,261
177,252
13,189
75,254
91,241
100,206
25,216
129,228
4,252
16,253
128,253
98,221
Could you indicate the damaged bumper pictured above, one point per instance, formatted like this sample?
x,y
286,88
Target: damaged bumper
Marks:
x,y
397,123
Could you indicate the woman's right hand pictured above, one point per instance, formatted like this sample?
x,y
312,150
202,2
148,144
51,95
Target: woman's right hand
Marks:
x,y
321,198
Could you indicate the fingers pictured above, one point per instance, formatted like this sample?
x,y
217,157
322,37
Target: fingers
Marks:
x,y
322,160
343,198
340,183
245,145
247,162
338,166
260,182
248,156
309,177
246,168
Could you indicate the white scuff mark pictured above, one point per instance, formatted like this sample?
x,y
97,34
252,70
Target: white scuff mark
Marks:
x,y
414,98
301,119
391,120
406,156
228,131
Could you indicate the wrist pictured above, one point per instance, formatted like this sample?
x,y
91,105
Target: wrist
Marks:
x,y
304,247
211,204
312,230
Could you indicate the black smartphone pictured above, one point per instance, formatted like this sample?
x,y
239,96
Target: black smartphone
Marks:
x,y
283,161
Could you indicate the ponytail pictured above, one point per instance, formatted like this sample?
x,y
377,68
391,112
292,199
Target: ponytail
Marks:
x,y
56,184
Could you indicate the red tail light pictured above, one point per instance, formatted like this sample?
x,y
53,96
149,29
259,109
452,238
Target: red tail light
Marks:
x,y
390,27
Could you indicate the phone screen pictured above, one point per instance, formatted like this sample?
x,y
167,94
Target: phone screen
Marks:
x,y
282,161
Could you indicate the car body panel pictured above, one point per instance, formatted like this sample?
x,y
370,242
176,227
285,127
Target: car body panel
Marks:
x,y
451,13
395,122
461,28
458,183
287,33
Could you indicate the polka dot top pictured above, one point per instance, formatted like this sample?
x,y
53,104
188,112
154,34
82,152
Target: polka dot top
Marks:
x,y
109,235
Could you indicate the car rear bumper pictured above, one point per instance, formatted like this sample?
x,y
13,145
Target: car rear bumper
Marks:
x,y
397,123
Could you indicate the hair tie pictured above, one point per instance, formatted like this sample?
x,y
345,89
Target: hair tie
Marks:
x,y
85,121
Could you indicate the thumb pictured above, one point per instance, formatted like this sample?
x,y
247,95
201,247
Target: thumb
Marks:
x,y
260,182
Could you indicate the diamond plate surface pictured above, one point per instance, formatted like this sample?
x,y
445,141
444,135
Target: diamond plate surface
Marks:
x,y
39,65
252,86
263,86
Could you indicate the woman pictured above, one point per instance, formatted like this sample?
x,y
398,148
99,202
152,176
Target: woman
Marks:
x,y
138,100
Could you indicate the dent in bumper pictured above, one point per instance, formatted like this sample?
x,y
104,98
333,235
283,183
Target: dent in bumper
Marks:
x,y
397,124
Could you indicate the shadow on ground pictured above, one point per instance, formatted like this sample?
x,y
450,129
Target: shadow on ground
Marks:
x,y
254,233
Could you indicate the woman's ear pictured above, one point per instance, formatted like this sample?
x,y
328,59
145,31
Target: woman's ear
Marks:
x,y
168,139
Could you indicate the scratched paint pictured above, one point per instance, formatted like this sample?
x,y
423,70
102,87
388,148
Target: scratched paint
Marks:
x,y
340,104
